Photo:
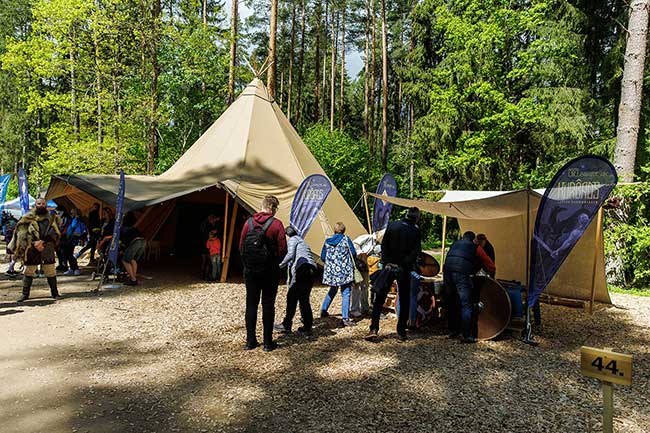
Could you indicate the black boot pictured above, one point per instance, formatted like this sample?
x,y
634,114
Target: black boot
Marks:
x,y
27,285
54,291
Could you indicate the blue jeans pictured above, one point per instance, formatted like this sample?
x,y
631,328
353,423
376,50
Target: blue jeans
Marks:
x,y
460,305
215,260
345,306
415,289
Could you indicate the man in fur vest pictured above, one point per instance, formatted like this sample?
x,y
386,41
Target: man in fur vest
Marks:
x,y
34,242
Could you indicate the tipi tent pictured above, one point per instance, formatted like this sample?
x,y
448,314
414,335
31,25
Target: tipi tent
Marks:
x,y
250,151
503,217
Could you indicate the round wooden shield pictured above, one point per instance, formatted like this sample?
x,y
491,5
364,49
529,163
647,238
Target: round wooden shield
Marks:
x,y
429,266
495,317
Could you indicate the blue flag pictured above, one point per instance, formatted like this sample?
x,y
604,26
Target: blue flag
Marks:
x,y
4,184
309,200
381,215
568,206
119,205
23,190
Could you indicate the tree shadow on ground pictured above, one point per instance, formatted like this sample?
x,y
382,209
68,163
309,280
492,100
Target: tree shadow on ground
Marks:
x,y
200,379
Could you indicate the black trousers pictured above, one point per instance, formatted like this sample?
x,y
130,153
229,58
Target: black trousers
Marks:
x,y
300,292
264,286
404,292
68,254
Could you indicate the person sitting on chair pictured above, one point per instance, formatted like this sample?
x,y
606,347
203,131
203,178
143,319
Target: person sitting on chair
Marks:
x,y
134,246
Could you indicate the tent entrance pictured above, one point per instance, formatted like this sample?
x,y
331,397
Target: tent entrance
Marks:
x,y
180,234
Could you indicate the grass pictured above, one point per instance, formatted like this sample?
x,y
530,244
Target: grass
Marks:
x,y
630,291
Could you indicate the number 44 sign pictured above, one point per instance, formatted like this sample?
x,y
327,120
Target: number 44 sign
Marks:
x,y
605,365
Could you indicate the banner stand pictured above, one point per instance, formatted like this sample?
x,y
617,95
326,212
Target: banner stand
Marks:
x,y
528,332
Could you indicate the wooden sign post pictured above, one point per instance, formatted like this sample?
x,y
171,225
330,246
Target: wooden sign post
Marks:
x,y
610,368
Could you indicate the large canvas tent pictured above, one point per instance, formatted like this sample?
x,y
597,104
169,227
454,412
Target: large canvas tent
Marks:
x,y
250,151
503,216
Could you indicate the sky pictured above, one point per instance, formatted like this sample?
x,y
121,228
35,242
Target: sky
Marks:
x,y
353,59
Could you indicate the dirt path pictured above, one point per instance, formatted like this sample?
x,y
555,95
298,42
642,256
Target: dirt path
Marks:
x,y
167,356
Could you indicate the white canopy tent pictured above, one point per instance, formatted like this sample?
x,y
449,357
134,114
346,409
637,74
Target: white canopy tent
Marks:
x,y
507,218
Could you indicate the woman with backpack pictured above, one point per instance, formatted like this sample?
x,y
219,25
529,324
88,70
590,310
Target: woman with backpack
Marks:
x,y
338,255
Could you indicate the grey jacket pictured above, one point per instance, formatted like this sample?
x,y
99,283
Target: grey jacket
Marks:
x,y
296,248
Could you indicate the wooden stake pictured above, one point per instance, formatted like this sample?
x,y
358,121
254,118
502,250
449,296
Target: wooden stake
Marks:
x,y
365,202
608,407
599,234
226,262
444,240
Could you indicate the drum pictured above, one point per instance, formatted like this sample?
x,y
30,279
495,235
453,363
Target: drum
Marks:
x,y
495,316
429,266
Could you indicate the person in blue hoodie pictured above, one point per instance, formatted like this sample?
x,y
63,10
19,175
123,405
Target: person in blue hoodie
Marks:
x,y
75,230
337,254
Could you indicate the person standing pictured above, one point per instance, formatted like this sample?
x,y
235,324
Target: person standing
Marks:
x,y
75,230
301,271
483,241
210,223
134,246
34,242
337,254
464,259
400,250
94,233
213,244
262,243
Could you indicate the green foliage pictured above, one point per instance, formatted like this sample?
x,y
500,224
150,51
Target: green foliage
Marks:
x,y
628,233
345,160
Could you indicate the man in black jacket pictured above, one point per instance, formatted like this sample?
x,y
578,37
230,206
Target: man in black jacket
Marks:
x,y
400,249
464,259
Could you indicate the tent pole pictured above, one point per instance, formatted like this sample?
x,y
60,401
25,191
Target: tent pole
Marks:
x,y
365,202
528,332
444,240
225,226
226,262
599,234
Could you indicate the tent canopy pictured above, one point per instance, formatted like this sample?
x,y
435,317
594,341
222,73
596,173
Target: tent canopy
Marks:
x,y
503,217
251,151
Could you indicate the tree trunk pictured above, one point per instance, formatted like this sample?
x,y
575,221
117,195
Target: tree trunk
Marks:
x,y
334,27
384,86
116,125
203,118
317,62
342,95
74,113
373,83
323,92
300,64
631,91
366,61
233,53
291,49
98,85
281,89
152,153
270,76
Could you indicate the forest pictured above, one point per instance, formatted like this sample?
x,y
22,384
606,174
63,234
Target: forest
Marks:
x,y
452,94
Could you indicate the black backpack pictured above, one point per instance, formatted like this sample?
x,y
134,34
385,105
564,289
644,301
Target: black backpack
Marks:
x,y
256,252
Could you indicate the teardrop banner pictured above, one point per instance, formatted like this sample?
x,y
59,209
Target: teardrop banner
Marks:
x,y
119,216
23,190
4,184
381,214
308,201
570,203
